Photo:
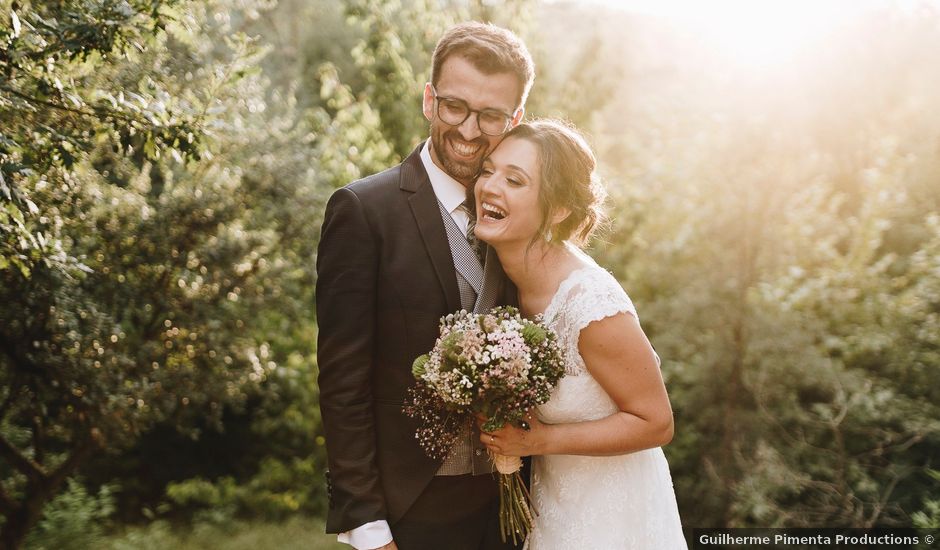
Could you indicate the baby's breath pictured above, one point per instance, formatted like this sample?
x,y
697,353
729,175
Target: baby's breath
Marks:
x,y
496,364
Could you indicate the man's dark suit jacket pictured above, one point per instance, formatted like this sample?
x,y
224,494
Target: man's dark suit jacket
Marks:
x,y
385,277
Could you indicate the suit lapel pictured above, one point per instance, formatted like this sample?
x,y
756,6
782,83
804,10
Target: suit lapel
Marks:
x,y
427,215
492,278
498,290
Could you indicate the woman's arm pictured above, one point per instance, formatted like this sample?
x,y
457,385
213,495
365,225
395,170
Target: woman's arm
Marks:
x,y
621,359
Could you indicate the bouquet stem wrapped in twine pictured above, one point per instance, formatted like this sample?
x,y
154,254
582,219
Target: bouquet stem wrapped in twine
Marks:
x,y
506,464
515,517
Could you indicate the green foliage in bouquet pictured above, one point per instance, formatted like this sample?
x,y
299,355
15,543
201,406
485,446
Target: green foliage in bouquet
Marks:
x,y
497,364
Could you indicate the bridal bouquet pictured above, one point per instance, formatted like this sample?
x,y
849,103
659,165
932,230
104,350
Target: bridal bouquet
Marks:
x,y
498,365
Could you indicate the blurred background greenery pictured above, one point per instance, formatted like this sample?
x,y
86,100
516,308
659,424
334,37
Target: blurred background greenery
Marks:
x,y
774,171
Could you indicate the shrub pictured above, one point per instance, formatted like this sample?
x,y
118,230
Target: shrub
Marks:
x,y
74,519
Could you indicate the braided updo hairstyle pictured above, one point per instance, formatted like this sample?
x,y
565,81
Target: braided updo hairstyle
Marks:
x,y
568,180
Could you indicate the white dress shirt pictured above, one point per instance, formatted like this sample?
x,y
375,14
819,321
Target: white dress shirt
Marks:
x,y
451,193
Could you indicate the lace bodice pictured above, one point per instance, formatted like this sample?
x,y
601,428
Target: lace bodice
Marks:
x,y
588,294
612,502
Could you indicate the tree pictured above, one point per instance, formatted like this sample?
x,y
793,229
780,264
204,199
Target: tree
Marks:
x,y
140,303
780,246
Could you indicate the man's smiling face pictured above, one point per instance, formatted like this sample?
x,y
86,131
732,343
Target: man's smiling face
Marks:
x,y
460,150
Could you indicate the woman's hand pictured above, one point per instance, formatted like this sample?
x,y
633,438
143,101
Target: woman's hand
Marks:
x,y
513,441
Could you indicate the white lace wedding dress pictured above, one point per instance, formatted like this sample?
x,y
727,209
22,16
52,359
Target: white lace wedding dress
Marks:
x,y
586,502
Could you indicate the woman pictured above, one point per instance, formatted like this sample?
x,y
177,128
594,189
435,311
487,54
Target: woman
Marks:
x,y
599,477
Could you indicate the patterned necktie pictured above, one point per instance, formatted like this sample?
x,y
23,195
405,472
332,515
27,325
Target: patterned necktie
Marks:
x,y
471,236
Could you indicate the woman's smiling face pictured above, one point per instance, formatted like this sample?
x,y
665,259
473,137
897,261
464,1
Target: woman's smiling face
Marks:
x,y
507,193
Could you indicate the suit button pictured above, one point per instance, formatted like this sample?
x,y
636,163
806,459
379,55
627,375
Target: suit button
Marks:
x,y
479,452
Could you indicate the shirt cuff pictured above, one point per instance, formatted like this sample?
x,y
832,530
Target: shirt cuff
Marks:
x,y
374,534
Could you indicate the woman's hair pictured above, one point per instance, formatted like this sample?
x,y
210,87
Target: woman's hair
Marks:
x,y
490,49
566,172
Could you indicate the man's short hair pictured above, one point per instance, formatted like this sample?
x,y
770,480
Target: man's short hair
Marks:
x,y
490,49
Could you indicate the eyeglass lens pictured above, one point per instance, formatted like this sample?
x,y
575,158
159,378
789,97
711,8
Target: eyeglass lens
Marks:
x,y
455,112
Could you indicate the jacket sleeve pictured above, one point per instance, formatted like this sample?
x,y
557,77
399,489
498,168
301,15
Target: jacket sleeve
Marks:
x,y
347,271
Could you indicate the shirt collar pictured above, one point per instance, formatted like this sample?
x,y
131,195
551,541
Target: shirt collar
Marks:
x,y
448,190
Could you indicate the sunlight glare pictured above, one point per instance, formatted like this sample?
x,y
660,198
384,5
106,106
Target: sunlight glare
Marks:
x,y
764,33
757,32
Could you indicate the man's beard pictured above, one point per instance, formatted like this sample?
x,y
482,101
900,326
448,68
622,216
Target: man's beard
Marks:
x,y
461,171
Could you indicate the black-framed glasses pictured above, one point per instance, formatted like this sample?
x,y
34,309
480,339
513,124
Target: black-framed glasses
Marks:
x,y
454,112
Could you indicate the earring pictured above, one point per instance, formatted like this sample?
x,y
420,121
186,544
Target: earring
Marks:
x,y
548,235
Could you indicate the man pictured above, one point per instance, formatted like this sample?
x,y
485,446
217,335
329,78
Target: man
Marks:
x,y
394,257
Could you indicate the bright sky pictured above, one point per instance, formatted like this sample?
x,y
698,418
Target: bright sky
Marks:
x,y
708,8
760,31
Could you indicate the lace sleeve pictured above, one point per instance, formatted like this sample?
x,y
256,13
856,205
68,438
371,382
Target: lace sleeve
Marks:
x,y
592,295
